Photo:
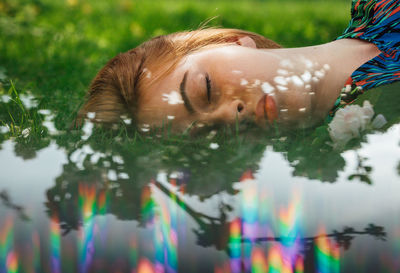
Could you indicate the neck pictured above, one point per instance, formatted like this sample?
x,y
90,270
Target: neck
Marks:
x,y
331,65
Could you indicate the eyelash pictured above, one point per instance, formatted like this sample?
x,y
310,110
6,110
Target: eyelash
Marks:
x,y
208,84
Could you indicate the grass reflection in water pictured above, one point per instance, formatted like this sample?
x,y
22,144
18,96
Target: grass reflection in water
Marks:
x,y
116,173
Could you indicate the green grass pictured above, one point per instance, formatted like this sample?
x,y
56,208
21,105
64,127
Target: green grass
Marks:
x,y
54,48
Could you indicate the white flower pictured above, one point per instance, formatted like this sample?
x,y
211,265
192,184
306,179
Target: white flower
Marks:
x,y
25,133
348,122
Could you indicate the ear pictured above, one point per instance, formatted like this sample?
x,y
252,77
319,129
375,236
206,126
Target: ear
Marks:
x,y
246,41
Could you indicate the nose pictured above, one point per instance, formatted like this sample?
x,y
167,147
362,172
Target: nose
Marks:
x,y
237,107
229,112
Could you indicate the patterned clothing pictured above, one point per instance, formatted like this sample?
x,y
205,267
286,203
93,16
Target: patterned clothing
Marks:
x,y
378,22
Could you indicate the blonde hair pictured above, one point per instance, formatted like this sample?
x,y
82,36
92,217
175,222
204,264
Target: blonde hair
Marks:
x,y
116,89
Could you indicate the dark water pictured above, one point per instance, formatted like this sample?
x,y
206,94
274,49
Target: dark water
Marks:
x,y
271,206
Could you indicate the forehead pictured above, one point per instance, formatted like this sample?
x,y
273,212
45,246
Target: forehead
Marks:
x,y
159,97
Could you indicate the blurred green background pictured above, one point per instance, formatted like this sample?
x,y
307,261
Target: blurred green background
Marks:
x,y
53,48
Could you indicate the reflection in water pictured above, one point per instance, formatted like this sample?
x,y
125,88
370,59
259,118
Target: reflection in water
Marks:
x,y
4,196
106,207
145,266
256,236
234,246
8,255
289,251
165,236
55,244
327,254
87,205
34,253
147,205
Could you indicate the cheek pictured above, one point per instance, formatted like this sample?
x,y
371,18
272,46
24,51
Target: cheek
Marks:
x,y
173,116
294,106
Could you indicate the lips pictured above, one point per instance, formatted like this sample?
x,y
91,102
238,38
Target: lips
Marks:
x,y
266,109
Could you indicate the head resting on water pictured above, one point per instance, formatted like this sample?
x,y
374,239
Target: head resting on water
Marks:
x,y
121,87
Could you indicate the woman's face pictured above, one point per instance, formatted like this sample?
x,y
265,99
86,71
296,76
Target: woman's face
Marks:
x,y
218,85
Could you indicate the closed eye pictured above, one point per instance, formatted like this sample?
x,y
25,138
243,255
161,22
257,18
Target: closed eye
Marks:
x,y
208,84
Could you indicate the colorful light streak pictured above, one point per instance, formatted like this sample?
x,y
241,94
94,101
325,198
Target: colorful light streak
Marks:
x,y
235,245
147,206
278,261
55,242
250,210
299,265
6,242
145,266
36,251
258,262
286,255
327,254
249,215
8,255
165,233
289,222
12,262
87,204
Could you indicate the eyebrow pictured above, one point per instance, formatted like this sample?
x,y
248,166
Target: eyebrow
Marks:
x,y
186,101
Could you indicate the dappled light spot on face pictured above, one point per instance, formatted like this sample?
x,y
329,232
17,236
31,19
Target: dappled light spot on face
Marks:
x,y
319,74
172,98
282,88
256,83
306,76
308,63
297,81
287,64
282,72
237,72
147,73
267,88
244,82
280,80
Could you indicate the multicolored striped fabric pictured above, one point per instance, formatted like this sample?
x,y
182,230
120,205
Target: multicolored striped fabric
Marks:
x,y
378,22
